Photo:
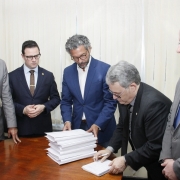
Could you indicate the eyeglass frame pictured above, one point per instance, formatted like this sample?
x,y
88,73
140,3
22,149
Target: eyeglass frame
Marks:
x,y
114,94
80,57
36,57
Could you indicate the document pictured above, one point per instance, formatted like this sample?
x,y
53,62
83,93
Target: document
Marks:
x,y
68,146
72,150
58,156
97,168
64,135
78,141
64,161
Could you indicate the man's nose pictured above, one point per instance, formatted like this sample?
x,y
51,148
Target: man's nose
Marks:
x,y
115,97
80,60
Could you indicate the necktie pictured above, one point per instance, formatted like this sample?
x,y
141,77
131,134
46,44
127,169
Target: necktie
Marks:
x,y
177,119
32,84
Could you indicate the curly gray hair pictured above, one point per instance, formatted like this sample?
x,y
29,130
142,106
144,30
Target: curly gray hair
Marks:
x,y
76,41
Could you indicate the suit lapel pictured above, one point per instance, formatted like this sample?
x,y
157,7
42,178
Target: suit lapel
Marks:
x,y
124,114
90,76
40,80
21,77
137,105
175,108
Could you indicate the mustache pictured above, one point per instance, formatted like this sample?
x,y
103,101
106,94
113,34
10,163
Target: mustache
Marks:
x,y
82,64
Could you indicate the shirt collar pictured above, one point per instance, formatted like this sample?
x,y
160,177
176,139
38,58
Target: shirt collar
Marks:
x,y
132,102
26,69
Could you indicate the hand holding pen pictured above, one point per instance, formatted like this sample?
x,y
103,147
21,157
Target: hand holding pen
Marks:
x,y
104,154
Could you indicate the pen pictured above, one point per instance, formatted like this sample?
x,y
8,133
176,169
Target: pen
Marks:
x,y
102,155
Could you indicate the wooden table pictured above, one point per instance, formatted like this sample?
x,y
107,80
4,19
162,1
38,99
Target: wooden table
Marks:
x,y
28,161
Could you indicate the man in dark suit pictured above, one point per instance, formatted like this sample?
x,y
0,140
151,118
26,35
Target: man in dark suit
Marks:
x,y
86,102
170,154
143,116
34,93
7,104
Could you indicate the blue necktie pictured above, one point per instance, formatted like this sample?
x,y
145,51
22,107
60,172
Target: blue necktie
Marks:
x,y
177,119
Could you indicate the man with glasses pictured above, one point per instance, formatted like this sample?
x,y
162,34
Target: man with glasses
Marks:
x,y
170,154
143,116
86,102
34,93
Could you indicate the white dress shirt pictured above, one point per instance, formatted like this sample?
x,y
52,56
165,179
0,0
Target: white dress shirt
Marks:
x,y
82,75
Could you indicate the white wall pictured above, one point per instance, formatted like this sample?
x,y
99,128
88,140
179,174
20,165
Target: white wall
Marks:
x,y
143,32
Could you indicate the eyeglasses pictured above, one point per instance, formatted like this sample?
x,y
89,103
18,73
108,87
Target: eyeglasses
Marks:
x,y
117,95
82,57
31,57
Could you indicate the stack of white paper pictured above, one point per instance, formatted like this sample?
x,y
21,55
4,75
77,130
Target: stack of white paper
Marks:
x,y
98,168
68,146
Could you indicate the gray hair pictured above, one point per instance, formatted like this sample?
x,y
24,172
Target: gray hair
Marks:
x,y
76,41
124,73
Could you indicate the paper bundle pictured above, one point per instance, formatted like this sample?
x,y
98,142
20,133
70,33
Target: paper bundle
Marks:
x,y
68,146
98,168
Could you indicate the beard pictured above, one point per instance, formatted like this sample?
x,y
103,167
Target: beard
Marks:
x,y
83,64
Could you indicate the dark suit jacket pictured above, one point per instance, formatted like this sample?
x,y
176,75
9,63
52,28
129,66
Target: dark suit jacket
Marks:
x,y
148,123
45,93
98,104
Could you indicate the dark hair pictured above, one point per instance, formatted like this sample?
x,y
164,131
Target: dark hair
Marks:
x,y
29,44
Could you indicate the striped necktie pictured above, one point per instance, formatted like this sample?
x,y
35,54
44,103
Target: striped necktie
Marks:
x,y
177,118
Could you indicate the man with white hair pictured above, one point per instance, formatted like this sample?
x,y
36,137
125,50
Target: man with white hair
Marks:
x,y
143,116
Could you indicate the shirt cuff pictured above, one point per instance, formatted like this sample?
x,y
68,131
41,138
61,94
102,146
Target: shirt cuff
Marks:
x,y
67,121
98,127
110,149
124,159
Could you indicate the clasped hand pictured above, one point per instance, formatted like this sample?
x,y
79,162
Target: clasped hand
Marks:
x,y
33,110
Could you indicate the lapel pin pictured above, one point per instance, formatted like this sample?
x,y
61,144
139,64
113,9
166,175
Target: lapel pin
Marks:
x,y
136,114
42,74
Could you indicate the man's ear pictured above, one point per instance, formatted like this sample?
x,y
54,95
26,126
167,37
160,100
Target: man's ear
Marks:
x,y
133,86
